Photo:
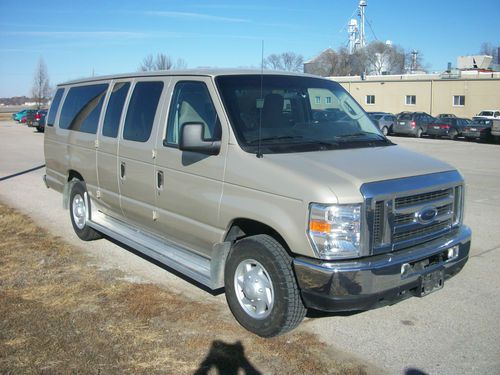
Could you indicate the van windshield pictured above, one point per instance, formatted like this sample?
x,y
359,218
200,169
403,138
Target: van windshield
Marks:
x,y
295,114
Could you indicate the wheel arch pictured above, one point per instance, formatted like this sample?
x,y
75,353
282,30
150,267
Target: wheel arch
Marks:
x,y
73,177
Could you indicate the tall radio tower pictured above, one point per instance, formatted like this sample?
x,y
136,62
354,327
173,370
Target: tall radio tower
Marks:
x,y
362,40
356,33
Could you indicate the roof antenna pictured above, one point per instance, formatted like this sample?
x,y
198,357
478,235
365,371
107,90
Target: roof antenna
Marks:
x,y
259,151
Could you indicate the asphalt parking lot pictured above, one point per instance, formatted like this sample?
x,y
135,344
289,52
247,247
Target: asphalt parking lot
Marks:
x,y
453,331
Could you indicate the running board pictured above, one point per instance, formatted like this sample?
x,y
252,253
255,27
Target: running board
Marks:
x,y
172,255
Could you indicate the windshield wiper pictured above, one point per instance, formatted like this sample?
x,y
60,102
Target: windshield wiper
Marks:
x,y
268,139
360,134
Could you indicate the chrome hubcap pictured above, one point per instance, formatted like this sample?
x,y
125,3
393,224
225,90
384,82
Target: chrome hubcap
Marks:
x,y
254,289
79,211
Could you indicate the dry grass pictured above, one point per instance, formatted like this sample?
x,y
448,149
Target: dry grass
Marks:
x,y
61,315
5,116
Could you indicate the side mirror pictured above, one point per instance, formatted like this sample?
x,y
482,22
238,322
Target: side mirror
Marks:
x,y
191,139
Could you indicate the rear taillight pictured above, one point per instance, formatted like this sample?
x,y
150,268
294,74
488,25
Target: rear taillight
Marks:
x,y
445,126
413,124
37,116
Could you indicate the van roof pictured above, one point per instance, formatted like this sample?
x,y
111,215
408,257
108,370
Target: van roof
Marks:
x,y
187,72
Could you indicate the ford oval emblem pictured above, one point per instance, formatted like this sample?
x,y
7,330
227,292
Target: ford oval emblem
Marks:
x,y
427,214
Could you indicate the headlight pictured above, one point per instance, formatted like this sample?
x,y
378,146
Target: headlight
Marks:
x,y
335,230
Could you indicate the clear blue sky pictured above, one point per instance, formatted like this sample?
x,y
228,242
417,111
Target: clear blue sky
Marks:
x,y
76,38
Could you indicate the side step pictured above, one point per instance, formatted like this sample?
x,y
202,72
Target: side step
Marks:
x,y
172,255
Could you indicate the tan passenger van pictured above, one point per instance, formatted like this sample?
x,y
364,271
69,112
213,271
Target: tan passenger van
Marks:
x,y
274,186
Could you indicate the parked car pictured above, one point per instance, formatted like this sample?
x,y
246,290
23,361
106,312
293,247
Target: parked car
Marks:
x,y
495,130
339,218
19,115
412,123
451,127
441,115
479,129
28,116
36,119
489,114
385,121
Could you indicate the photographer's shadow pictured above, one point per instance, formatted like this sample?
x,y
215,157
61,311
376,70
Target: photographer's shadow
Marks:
x,y
227,359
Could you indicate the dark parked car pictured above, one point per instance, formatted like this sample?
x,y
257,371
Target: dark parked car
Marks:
x,y
479,129
29,116
451,127
412,123
385,121
37,119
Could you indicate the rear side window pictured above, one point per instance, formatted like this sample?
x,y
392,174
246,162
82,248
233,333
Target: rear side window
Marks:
x,y
82,108
54,107
114,109
192,103
141,111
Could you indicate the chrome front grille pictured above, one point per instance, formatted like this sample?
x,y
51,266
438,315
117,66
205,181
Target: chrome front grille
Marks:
x,y
407,217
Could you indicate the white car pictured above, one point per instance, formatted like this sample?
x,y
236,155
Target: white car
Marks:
x,y
490,114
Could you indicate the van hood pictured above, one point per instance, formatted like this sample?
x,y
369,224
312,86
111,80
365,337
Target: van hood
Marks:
x,y
344,171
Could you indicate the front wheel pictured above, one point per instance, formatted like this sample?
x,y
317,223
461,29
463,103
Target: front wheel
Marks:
x,y
453,134
261,289
80,211
385,131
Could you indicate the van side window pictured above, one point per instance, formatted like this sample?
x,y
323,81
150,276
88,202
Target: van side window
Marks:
x,y
82,108
141,111
114,109
54,107
191,102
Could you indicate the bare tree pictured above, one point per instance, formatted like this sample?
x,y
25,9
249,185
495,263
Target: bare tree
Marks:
x,y
41,88
181,64
147,64
337,63
161,62
383,58
490,50
288,61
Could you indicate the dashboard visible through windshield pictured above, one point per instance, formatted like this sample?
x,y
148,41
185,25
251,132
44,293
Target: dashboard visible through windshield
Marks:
x,y
279,113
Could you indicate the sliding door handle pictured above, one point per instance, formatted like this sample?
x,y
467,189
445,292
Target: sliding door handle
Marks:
x,y
122,170
159,180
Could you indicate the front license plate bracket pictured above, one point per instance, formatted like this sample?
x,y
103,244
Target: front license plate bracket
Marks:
x,y
431,282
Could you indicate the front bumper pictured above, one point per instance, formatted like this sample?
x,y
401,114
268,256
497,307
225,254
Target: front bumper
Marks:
x,y
369,282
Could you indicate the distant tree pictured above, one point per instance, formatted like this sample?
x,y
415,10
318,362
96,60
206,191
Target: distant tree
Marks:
x,y
41,87
382,58
287,61
490,50
147,64
161,62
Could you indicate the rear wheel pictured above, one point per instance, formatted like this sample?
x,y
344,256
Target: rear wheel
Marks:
x,y
79,209
385,131
261,289
419,133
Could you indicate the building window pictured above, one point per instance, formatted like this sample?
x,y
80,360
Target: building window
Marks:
x,y
370,99
328,100
317,99
458,100
411,99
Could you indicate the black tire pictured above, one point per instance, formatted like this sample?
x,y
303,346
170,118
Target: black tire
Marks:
x,y
78,208
385,131
40,129
419,133
453,134
261,259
